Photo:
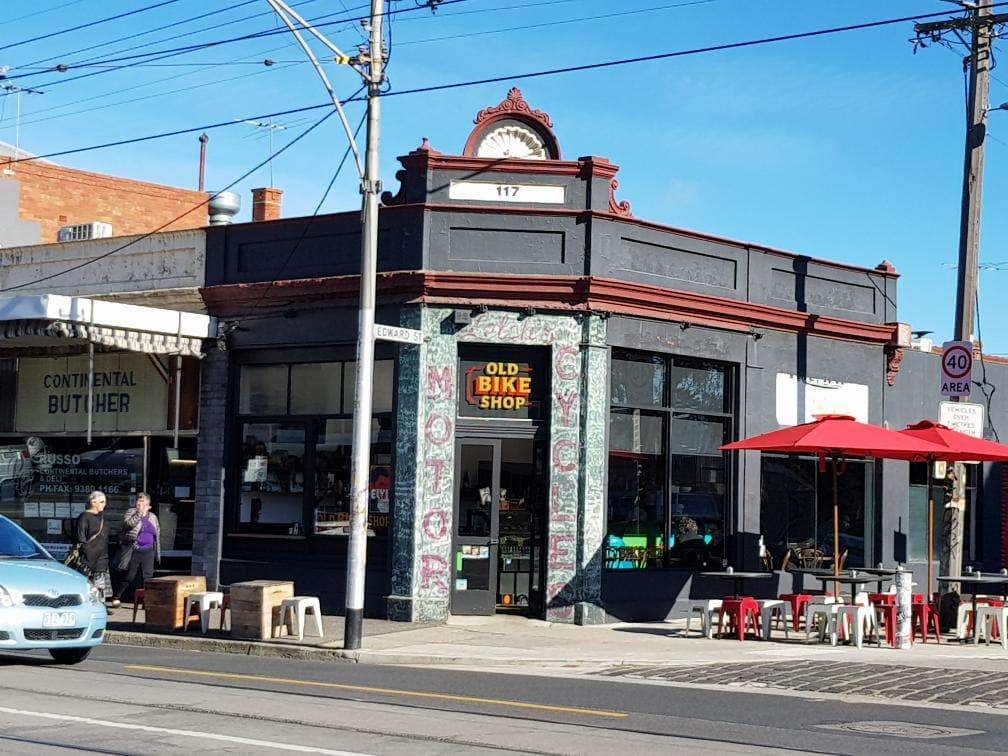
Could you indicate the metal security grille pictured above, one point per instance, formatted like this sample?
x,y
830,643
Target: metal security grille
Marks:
x,y
52,602
70,633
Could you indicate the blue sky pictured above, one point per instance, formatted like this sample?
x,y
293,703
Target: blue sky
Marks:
x,y
847,147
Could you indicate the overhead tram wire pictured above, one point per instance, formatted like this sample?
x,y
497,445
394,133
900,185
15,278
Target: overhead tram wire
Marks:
x,y
44,11
196,207
174,24
510,77
88,25
170,52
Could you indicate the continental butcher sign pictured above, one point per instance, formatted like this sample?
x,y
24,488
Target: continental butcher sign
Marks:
x,y
128,394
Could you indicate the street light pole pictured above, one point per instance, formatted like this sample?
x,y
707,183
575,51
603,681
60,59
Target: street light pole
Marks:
x,y
361,462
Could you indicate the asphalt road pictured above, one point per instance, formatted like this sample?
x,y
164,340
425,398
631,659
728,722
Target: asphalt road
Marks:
x,y
134,700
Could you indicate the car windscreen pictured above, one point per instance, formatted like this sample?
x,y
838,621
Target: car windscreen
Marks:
x,y
15,544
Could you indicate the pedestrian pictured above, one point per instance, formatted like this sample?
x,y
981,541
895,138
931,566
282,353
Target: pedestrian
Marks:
x,y
141,539
92,537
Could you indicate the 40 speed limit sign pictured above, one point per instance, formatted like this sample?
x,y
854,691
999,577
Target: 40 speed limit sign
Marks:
x,y
957,368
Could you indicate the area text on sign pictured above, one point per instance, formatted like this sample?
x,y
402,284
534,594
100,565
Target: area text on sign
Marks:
x,y
956,368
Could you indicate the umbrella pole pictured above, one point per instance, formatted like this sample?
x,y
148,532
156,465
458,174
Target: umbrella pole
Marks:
x,y
930,535
836,530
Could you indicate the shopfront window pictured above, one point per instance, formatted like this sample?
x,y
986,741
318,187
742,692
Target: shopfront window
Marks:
x,y
45,483
668,480
796,509
294,469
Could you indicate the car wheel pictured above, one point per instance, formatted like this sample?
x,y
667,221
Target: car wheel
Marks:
x,y
69,655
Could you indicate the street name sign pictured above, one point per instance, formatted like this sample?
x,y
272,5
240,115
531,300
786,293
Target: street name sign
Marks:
x,y
398,334
956,368
965,417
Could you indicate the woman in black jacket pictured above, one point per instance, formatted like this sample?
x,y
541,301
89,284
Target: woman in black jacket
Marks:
x,y
92,536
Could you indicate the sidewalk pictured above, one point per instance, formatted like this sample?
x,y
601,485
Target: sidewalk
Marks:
x,y
508,642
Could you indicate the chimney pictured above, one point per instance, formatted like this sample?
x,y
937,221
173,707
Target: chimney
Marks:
x,y
266,204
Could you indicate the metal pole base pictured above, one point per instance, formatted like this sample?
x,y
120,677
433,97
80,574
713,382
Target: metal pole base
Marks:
x,y
353,629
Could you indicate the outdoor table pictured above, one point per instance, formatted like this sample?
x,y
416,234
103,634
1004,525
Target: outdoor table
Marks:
x,y
882,573
739,578
848,578
977,579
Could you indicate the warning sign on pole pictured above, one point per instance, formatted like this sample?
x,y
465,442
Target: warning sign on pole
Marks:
x,y
957,368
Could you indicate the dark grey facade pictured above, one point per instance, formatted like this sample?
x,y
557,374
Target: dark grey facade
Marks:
x,y
573,291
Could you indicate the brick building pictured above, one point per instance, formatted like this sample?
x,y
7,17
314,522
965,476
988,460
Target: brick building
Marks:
x,y
37,198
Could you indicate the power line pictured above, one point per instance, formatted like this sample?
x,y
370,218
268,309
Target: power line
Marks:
x,y
510,77
169,52
557,22
311,219
181,22
147,235
89,24
43,11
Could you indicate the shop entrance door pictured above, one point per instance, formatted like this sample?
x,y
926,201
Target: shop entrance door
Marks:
x,y
477,510
500,525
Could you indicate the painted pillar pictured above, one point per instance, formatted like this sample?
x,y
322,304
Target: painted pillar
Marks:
x,y
425,464
594,455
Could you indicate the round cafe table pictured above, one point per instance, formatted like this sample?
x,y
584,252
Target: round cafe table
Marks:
x,y
977,579
738,578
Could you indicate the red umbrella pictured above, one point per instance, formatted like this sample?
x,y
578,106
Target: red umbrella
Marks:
x,y
959,447
839,437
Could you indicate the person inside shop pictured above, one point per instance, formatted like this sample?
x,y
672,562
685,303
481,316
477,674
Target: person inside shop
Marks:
x,y
92,536
141,545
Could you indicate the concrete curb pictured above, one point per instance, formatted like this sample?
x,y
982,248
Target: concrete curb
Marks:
x,y
317,653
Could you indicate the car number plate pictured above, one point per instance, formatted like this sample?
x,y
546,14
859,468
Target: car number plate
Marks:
x,y
59,619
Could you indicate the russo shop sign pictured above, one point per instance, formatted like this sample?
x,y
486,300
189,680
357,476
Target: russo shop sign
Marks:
x,y
129,394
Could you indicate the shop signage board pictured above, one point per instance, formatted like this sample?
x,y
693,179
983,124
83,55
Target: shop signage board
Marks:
x,y
819,396
964,417
956,368
499,386
130,394
398,334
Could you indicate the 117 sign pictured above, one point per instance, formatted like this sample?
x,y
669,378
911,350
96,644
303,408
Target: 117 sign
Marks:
x,y
957,368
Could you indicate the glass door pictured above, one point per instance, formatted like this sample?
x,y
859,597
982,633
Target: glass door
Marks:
x,y
477,510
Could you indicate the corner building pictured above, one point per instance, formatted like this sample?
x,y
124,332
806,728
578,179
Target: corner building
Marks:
x,y
551,447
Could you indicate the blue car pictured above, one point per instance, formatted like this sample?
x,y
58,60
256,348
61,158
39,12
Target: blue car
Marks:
x,y
43,603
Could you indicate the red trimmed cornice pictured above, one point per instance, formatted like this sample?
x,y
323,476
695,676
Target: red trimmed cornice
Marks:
x,y
547,293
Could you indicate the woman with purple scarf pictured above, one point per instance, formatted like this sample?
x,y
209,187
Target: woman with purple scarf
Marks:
x,y
141,538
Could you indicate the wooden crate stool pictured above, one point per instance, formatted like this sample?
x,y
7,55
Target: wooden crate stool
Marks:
x,y
255,607
164,600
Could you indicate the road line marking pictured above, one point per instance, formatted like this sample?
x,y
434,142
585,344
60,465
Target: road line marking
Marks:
x,y
383,691
171,731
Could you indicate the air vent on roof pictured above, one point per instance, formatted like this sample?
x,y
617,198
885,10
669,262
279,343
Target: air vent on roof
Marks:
x,y
81,231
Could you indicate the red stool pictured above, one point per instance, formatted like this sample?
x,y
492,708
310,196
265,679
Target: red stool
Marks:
x,y
925,617
885,607
798,602
739,611
138,601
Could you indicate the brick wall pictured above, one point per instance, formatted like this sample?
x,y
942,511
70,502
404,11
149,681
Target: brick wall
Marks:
x,y
210,469
54,196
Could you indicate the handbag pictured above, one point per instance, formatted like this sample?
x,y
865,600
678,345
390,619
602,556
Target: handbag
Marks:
x,y
123,557
75,558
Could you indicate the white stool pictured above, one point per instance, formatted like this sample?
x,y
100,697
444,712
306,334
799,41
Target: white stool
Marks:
x,y
205,601
825,607
855,617
986,617
296,609
769,608
706,609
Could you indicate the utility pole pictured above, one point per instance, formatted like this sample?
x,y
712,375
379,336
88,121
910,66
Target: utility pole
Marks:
x,y
361,463
370,64
978,24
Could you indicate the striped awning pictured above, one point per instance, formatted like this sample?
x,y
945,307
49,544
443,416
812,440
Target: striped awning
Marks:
x,y
52,324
